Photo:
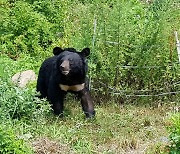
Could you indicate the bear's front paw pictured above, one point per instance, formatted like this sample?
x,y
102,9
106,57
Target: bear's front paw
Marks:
x,y
90,114
59,113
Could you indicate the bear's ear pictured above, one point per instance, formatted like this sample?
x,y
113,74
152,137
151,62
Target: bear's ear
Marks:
x,y
85,52
57,50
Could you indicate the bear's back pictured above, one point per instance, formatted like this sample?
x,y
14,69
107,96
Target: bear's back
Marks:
x,y
46,67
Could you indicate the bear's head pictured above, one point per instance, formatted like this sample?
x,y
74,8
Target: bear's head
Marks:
x,y
70,62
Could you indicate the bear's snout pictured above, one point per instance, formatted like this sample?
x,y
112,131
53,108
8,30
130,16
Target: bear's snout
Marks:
x,y
64,67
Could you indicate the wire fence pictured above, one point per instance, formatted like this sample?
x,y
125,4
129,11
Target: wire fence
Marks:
x,y
146,67
133,93
140,93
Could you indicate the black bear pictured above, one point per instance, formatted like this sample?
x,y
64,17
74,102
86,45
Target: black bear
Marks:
x,y
62,73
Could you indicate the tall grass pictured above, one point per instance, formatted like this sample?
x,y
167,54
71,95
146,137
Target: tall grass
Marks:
x,y
127,33
119,33
174,130
9,143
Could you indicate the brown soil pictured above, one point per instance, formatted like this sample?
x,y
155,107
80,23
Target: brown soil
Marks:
x,y
47,146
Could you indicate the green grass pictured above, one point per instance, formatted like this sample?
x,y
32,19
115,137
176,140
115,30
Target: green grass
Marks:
x,y
174,130
143,35
116,129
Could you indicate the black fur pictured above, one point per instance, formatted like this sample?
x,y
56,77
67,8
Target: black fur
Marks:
x,y
50,76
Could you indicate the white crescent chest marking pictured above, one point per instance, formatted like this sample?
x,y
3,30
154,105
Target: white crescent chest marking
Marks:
x,y
76,87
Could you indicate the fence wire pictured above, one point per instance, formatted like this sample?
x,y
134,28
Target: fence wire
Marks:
x,y
133,93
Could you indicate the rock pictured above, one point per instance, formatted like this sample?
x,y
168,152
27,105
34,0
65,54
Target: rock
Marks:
x,y
164,139
21,79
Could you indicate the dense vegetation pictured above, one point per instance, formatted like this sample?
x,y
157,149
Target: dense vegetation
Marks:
x,y
133,54
175,134
127,33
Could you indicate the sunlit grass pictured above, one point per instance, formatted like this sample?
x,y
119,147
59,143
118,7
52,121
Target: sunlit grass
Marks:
x,y
115,129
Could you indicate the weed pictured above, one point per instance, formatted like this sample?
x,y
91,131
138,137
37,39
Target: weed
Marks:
x,y
9,143
175,134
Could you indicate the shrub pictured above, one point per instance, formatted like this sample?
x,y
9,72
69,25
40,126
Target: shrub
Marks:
x,y
127,33
120,33
17,103
30,26
9,143
175,134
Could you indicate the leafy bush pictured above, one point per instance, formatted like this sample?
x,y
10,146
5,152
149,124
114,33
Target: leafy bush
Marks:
x,y
18,106
9,143
30,26
127,33
17,103
120,33
175,134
